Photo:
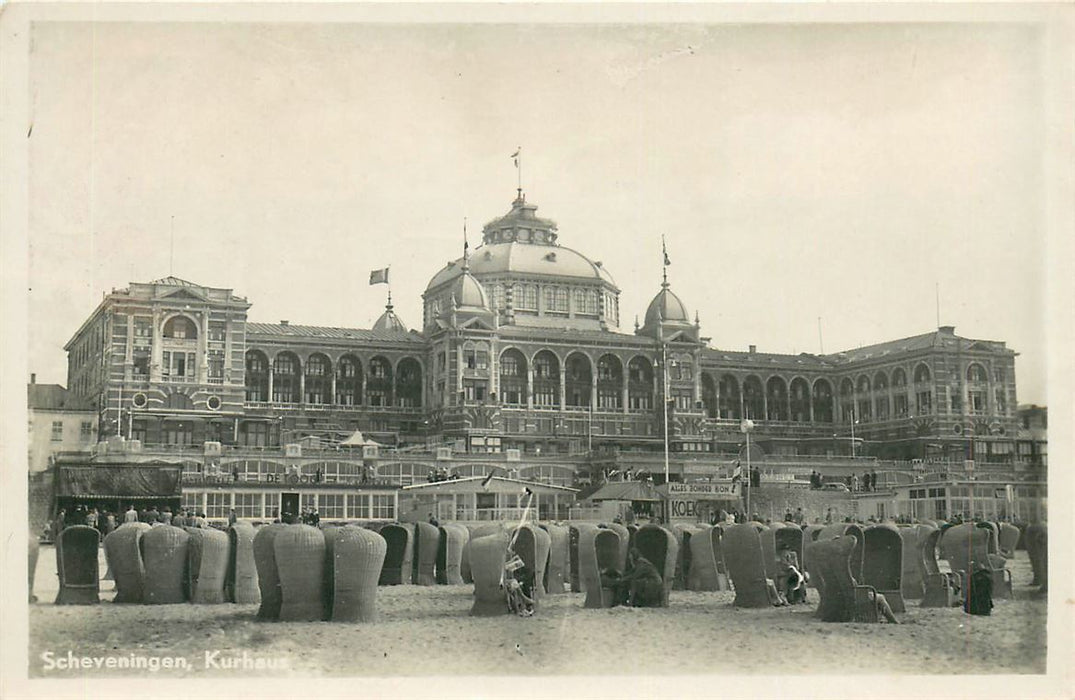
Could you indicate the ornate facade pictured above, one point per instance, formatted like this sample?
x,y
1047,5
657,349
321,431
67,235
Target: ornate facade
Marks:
x,y
520,355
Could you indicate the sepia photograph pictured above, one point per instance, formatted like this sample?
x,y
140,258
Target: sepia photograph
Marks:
x,y
558,350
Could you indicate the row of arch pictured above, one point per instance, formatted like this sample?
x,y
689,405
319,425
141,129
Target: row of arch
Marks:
x,y
347,382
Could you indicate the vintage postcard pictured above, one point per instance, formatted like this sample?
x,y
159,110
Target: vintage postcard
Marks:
x,y
559,350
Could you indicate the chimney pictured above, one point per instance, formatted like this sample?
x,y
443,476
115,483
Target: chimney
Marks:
x,y
753,349
33,378
947,330
283,322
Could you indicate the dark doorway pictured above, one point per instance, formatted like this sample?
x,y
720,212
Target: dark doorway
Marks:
x,y
289,504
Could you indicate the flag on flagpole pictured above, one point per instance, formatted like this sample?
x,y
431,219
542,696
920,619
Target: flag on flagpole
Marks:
x,y
487,479
515,156
379,276
664,249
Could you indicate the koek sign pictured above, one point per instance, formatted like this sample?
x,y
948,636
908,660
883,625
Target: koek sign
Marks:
x,y
701,491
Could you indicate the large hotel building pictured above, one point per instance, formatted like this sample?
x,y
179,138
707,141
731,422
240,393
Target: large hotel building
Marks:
x,y
521,366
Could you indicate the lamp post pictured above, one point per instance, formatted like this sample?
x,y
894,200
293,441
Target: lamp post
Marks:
x,y
745,427
664,405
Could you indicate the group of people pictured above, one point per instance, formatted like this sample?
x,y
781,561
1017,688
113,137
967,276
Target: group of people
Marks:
x,y
869,482
105,521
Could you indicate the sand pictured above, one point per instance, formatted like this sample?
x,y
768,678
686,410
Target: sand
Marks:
x,y
426,631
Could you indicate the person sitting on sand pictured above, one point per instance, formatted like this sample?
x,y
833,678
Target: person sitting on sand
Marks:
x,y
646,589
519,586
790,581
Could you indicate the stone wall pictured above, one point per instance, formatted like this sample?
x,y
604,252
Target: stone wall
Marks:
x,y
773,501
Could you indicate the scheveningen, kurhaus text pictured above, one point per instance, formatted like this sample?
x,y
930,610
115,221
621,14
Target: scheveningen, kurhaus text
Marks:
x,y
213,660
51,661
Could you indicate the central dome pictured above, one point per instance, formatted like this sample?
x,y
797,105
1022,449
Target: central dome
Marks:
x,y
530,279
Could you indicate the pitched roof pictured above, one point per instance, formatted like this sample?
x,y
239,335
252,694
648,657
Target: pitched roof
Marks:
x,y
51,397
296,331
626,491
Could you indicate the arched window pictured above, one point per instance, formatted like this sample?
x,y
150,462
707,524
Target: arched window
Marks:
x,y
977,373
285,378
865,405
318,379
579,376
546,380
639,384
257,376
180,328
880,390
923,390
800,400
409,383
709,396
753,399
513,377
728,390
922,374
379,383
609,382
847,400
823,412
777,392
349,381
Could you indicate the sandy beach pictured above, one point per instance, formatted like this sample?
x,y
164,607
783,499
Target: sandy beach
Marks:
x,y
426,631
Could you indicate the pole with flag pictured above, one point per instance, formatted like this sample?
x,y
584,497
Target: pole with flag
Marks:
x,y
379,276
517,159
666,263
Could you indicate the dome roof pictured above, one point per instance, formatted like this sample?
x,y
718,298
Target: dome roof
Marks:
x,y
669,307
468,292
525,259
389,321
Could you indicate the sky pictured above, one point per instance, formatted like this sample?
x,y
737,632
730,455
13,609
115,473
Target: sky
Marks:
x,y
852,173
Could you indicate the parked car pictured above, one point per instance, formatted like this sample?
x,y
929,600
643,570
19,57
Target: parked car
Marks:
x,y
835,486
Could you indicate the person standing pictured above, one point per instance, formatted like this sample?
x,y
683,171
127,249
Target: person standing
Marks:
x,y
131,516
232,517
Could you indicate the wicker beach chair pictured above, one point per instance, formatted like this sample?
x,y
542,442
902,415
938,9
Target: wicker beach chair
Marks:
x,y
426,544
707,569
532,546
574,536
830,532
625,542
599,549
1037,549
660,547
744,556
33,551
842,600
165,556
464,560
123,552
941,590
1009,537
357,555
264,551
398,562
241,581
774,539
967,548
882,563
558,574
487,556
912,586
77,567
452,541
300,564
207,567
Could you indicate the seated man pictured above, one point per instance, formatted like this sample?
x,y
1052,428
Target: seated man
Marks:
x,y
519,586
613,580
790,581
646,588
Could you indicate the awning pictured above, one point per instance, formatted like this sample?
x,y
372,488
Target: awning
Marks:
x,y
120,482
357,440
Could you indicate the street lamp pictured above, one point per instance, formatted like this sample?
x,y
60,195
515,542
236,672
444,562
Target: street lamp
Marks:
x,y
745,427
